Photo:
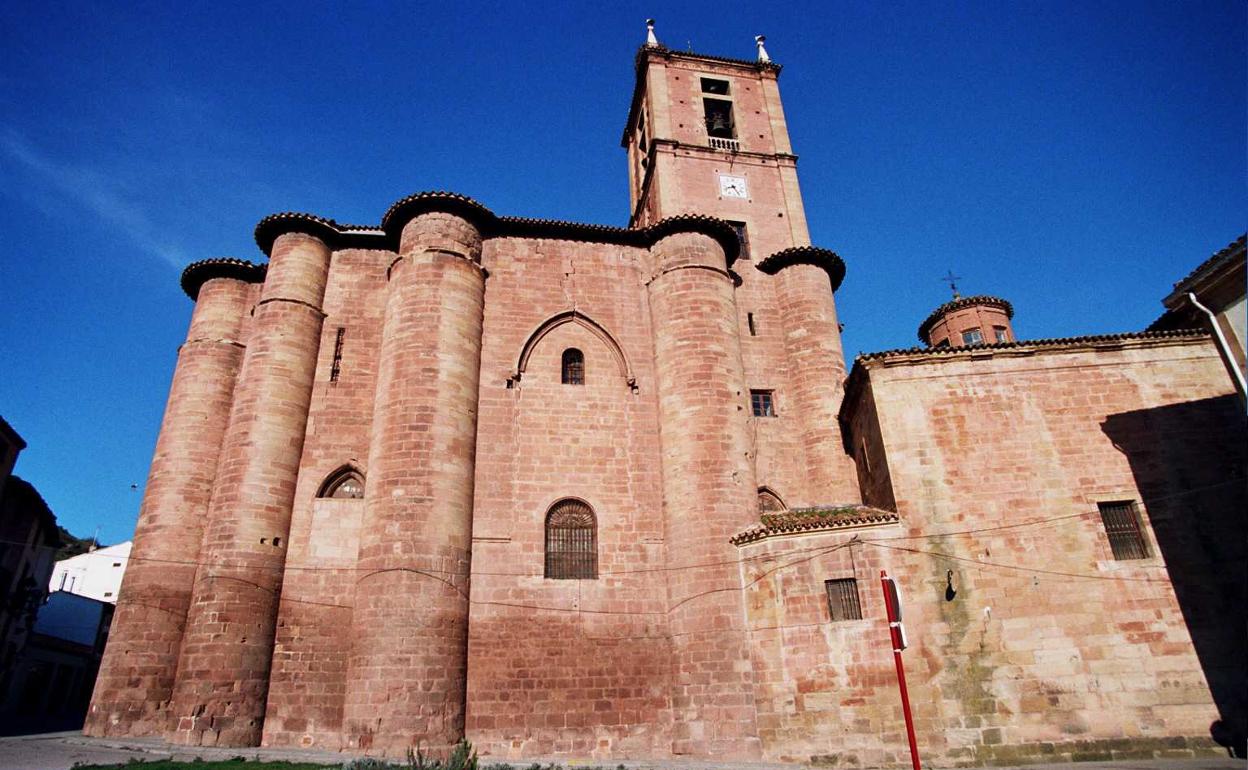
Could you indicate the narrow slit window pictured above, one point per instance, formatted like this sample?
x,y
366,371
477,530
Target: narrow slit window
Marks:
x,y
749,320
571,541
843,601
335,369
763,403
573,367
1122,527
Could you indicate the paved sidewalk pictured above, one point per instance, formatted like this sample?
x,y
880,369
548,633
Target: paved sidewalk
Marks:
x,y
61,751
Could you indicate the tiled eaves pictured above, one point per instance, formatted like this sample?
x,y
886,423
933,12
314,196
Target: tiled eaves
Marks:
x,y
781,525
1089,342
386,236
825,259
198,273
639,68
925,328
1234,248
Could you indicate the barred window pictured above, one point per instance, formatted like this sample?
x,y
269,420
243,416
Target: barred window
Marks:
x,y
843,601
571,541
762,404
1122,527
346,483
573,367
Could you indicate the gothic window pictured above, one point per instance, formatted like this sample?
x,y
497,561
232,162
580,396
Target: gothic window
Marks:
x,y
1122,527
573,367
762,403
571,541
843,601
344,484
769,502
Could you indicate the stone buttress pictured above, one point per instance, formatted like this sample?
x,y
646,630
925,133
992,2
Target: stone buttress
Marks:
x,y
222,683
135,682
709,488
806,278
407,670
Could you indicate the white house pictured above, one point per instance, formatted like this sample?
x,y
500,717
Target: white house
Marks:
x,y
96,574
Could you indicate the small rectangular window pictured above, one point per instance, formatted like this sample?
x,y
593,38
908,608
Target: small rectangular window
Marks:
x,y
743,237
1122,527
714,86
116,564
108,593
749,320
972,337
1001,334
843,601
762,403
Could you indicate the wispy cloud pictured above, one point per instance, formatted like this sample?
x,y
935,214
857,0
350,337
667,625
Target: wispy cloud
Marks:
x,y
92,191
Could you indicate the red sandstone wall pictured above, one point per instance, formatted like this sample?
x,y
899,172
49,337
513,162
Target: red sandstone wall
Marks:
x,y
1050,647
308,680
136,676
567,667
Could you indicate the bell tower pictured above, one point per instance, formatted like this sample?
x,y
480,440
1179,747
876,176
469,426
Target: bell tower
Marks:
x,y
707,135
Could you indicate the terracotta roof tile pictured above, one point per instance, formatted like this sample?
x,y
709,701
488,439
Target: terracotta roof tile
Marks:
x,y
1058,342
830,261
925,328
198,273
801,520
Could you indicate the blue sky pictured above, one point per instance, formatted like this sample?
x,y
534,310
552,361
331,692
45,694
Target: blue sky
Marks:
x,y
1075,158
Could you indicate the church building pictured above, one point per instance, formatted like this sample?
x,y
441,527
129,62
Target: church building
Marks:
x,y
573,490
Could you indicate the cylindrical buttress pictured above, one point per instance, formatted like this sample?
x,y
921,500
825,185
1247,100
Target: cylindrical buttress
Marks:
x,y
223,674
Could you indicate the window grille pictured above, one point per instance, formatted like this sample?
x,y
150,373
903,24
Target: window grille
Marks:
x,y
1122,526
762,403
573,367
972,337
843,601
571,542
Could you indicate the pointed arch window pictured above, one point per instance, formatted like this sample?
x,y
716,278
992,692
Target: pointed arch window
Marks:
x,y
571,541
573,367
346,483
770,502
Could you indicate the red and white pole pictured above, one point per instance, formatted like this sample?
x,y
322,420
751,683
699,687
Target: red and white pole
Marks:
x,y
892,600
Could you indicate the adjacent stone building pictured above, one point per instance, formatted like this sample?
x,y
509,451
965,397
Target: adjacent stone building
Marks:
x,y
576,490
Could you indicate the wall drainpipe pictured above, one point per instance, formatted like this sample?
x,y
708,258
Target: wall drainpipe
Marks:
x,y
1223,348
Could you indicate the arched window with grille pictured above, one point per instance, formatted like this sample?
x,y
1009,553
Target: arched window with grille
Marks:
x,y
346,483
573,367
571,541
769,501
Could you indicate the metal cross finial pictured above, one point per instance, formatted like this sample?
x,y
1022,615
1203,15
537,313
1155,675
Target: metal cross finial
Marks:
x,y
762,52
651,40
953,285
